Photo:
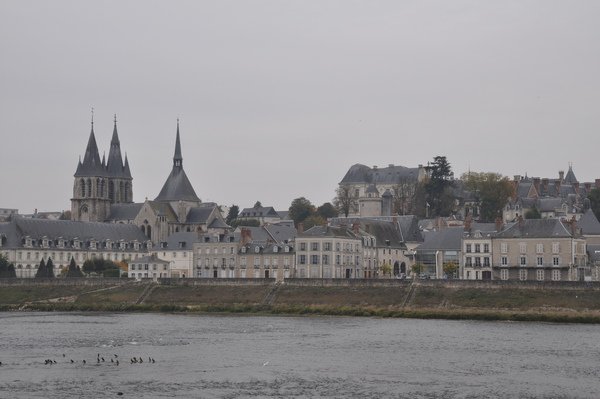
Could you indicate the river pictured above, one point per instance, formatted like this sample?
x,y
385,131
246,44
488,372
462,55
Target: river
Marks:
x,y
198,356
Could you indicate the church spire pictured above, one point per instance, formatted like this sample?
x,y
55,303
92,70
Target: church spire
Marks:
x,y
177,158
91,165
114,164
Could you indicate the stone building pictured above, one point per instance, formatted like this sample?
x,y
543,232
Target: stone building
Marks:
x,y
539,249
149,267
100,184
25,242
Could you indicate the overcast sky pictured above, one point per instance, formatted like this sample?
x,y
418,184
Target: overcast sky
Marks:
x,y
277,99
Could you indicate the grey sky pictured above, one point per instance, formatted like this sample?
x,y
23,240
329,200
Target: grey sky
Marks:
x,y
278,98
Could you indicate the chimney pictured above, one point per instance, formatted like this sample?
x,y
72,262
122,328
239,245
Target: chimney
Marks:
x,y
499,224
561,175
576,187
557,185
545,183
536,184
355,227
597,183
300,228
573,223
521,222
468,223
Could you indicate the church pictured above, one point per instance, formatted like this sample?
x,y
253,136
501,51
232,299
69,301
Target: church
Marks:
x,y
103,192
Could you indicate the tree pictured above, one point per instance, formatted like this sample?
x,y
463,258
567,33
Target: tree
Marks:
x,y
594,197
73,270
314,220
65,215
404,196
439,187
417,268
533,213
49,268
102,267
345,201
41,271
233,213
386,269
450,269
7,269
493,191
245,222
327,211
300,209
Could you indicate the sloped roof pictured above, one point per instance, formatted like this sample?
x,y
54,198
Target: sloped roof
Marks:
x,y
199,215
448,239
218,223
589,224
549,204
177,187
189,238
570,176
91,165
68,230
328,231
281,233
261,211
124,211
536,228
392,174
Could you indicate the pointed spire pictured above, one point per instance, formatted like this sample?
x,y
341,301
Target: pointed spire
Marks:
x,y
177,158
126,170
104,159
114,164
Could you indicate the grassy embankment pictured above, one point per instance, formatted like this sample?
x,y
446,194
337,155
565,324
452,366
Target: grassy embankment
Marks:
x,y
442,302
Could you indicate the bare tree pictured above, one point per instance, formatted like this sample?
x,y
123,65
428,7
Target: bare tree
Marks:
x,y
404,193
345,201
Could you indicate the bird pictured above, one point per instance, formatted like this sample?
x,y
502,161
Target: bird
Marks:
x,y
63,355
265,363
116,355
83,361
117,362
111,360
72,361
102,358
141,360
153,361
0,363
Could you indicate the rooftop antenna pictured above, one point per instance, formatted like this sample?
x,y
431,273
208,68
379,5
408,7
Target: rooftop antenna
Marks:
x,y
92,116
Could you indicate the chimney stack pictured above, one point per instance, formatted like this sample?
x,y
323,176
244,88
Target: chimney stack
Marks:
x,y
355,227
576,187
246,236
300,228
468,223
499,224
557,185
545,184
561,175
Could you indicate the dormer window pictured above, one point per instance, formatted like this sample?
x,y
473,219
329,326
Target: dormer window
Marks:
x,y
256,249
286,248
275,249
93,244
136,245
243,250
122,245
181,244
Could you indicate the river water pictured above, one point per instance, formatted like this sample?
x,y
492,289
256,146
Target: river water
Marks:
x,y
298,357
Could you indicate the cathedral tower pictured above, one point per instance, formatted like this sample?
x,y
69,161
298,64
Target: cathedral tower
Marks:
x,y
98,183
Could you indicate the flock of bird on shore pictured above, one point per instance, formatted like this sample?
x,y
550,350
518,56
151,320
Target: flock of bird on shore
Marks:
x,y
100,359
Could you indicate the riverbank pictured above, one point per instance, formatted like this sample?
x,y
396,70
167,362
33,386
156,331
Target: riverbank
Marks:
x,y
566,303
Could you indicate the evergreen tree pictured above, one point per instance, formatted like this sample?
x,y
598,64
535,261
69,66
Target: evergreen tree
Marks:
x,y
41,271
7,270
49,268
439,187
233,213
73,270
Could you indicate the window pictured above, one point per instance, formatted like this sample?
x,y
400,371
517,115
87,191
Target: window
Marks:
x,y
540,261
486,248
327,246
523,248
478,262
302,259
540,275
504,248
522,275
539,248
523,261
477,248
555,247
337,246
302,246
555,275
468,262
504,274
486,262
314,246
337,259
314,260
555,261
469,248
325,259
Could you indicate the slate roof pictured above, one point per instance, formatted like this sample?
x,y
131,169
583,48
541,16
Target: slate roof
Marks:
x,y
589,224
262,211
284,215
218,223
91,165
174,240
570,176
549,204
19,228
393,174
281,233
150,259
448,239
328,231
177,187
124,211
593,253
199,215
536,228
114,165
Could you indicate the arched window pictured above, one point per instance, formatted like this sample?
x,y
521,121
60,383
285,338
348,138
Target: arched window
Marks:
x,y
82,187
121,192
127,194
89,188
149,232
111,191
143,230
